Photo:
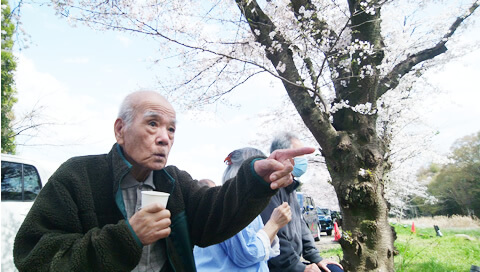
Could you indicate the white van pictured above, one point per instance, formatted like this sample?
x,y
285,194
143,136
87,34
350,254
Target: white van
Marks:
x,y
22,180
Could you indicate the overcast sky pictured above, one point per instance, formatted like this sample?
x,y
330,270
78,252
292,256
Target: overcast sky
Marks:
x,y
77,78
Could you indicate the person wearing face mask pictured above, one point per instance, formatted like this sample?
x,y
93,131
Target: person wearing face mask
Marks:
x,y
296,240
248,250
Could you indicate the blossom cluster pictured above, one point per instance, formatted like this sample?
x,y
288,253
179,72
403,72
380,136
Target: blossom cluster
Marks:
x,y
368,7
364,49
366,70
360,108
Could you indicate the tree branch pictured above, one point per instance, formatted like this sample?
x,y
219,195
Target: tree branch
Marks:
x,y
279,53
316,32
152,31
392,79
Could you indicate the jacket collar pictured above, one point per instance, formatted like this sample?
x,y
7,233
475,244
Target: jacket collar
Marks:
x,y
119,165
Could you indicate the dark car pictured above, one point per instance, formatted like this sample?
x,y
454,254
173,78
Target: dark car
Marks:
x,y
325,220
308,210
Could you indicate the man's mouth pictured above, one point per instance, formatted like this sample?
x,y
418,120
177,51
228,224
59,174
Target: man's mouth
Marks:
x,y
159,155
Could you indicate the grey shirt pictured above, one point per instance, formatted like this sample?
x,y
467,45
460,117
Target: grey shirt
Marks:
x,y
153,255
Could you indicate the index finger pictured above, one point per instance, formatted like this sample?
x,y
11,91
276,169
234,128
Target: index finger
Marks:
x,y
153,208
291,153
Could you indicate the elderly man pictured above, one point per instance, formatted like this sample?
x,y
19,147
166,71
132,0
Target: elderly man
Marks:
x,y
88,216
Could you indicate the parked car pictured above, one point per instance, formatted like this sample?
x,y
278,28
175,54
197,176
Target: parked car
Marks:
x,y
22,180
307,208
325,220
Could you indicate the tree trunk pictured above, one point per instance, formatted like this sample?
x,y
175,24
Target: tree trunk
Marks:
x,y
367,238
355,160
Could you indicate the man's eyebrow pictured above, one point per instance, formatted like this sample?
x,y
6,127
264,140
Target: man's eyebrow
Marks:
x,y
151,114
157,115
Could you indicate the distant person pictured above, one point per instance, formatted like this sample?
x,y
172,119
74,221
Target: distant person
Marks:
x,y
207,182
88,217
249,249
296,240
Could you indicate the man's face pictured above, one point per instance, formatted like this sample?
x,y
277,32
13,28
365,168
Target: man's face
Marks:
x,y
147,141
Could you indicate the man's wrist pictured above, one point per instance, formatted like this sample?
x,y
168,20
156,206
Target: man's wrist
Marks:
x,y
255,174
135,237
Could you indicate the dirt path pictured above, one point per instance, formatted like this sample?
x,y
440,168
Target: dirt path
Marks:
x,y
326,243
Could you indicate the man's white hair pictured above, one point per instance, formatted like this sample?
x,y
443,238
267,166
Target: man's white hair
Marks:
x,y
127,111
128,107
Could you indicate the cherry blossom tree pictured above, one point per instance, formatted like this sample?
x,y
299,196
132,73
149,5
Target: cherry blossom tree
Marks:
x,y
339,62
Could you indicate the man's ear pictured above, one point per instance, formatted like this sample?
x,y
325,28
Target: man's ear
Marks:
x,y
119,130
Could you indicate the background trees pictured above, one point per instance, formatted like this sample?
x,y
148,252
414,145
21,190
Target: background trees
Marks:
x,y
27,122
8,84
456,184
341,63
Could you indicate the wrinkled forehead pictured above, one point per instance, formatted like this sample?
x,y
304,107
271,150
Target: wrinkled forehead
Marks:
x,y
155,106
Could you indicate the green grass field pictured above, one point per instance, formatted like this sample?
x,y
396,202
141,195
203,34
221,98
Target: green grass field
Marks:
x,y
457,250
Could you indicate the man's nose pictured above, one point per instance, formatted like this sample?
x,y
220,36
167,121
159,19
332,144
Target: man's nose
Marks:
x,y
162,136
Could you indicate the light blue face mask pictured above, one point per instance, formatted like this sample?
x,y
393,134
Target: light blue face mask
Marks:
x,y
300,166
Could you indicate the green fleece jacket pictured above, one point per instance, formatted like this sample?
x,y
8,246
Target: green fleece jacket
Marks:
x,y
78,221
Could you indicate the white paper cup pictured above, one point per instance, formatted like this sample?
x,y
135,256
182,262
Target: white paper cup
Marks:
x,y
149,197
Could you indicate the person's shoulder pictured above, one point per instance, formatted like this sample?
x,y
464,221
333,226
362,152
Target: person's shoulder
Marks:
x,y
173,170
80,164
85,160
177,174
